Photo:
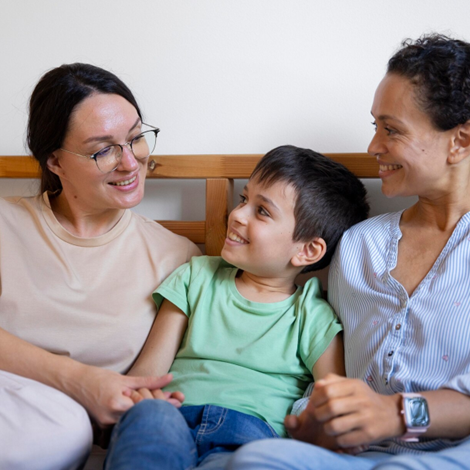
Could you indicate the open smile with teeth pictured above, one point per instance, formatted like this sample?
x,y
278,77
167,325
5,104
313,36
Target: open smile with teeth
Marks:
x,y
389,167
124,183
236,238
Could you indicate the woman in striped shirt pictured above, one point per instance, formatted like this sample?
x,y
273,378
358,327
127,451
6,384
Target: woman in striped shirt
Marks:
x,y
400,284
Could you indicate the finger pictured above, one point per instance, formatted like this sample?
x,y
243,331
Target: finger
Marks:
x,y
330,379
145,393
343,426
356,439
158,394
178,396
291,422
335,389
151,383
136,397
175,403
337,407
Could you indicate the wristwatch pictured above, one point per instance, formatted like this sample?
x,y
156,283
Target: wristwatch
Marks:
x,y
415,412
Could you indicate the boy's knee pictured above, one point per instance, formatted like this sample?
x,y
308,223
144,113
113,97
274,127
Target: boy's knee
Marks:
x,y
151,416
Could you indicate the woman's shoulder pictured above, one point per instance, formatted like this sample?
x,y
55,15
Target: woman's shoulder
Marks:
x,y
13,206
379,223
152,230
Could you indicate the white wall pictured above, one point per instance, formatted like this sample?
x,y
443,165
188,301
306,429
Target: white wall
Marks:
x,y
220,76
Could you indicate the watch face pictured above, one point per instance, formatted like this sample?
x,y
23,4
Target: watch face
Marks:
x,y
417,413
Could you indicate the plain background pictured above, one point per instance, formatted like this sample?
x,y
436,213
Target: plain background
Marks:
x,y
221,76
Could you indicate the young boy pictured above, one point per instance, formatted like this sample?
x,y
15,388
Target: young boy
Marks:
x,y
238,333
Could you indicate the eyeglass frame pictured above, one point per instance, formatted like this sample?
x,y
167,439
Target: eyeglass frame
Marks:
x,y
154,129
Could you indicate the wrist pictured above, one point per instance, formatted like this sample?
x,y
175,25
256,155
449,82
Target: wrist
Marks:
x,y
399,426
415,412
71,378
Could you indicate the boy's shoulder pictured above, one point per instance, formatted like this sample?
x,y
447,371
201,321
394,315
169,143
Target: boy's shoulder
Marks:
x,y
209,262
208,265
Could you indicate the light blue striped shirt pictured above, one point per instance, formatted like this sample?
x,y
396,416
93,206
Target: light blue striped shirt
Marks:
x,y
394,342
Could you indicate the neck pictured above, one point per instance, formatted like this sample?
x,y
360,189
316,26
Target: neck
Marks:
x,y
265,289
442,208
82,223
441,214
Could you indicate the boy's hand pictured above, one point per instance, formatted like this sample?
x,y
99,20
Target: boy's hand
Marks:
x,y
175,398
307,429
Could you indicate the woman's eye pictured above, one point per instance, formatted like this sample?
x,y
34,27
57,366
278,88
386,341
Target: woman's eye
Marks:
x,y
375,125
138,138
390,131
104,152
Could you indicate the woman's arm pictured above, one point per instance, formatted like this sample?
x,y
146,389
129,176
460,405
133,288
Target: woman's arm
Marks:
x,y
104,394
163,341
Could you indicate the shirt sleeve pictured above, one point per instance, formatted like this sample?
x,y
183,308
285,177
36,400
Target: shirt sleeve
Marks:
x,y
459,383
175,289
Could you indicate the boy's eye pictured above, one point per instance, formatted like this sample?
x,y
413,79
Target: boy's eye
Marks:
x,y
242,199
262,211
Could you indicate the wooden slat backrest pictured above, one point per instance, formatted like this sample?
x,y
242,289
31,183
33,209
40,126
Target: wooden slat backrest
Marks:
x,y
219,171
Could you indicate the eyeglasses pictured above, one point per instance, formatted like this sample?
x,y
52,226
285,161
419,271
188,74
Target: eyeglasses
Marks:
x,y
108,158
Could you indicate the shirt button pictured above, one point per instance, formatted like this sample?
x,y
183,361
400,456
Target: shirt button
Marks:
x,y
398,326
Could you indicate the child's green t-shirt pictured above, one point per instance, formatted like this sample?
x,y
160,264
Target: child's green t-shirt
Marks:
x,y
251,357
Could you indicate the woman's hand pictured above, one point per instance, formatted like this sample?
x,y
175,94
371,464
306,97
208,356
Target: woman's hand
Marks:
x,y
346,414
106,395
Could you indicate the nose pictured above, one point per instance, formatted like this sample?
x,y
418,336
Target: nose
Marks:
x,y
128,161
376,146
238,215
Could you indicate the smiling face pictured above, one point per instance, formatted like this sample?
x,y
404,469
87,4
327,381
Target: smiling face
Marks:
x,y
98,121
411,152
260,230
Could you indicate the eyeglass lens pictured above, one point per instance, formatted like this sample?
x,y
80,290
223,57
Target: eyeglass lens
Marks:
x,y
142,146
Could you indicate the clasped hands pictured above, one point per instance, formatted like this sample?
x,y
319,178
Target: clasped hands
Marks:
x,y
107,395
346,415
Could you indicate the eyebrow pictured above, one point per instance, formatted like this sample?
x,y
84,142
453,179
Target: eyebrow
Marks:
x,y
384,117
102,138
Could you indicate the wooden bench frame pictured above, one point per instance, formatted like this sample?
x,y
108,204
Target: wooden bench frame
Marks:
x,y
218,171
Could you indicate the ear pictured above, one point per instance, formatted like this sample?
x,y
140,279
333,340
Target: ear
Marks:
x,y
309,253
460,144
53,163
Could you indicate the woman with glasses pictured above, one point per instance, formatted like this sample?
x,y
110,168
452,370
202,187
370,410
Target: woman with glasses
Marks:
x,y
77,269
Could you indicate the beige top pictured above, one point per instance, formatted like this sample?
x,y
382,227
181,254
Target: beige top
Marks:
x,y
87,298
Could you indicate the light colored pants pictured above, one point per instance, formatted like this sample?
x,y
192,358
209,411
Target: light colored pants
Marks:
x,y
288,454
40,427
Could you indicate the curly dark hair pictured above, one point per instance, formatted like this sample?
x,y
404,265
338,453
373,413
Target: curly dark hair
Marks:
x,y
439,68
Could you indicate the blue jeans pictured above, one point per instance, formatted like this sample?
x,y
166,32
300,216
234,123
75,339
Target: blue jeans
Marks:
x,y
288,454
155,435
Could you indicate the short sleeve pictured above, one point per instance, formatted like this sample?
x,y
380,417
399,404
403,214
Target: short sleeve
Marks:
x,y
175,288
